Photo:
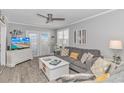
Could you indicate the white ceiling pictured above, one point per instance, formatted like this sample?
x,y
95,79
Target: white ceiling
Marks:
x,y
29,17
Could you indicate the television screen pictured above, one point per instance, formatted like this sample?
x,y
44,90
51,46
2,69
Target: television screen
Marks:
x,y
19,43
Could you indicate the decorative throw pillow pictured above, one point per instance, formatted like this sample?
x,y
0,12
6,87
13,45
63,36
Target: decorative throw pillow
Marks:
x,y
90,56
65,52
84,58
99,67
74,55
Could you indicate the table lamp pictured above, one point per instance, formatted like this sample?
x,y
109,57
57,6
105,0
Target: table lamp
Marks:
x,y
116,46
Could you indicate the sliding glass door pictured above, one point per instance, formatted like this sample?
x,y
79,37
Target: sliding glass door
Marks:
x,y
39,43
34,38
44,44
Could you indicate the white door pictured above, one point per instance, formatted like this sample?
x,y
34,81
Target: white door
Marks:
x,y
39,43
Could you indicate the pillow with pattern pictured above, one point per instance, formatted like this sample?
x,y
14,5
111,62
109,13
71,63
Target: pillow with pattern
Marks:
x,y
84,57
65,52
99,67
90,56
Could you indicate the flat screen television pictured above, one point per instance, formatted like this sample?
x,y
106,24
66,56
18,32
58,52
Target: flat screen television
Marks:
x,y
20,42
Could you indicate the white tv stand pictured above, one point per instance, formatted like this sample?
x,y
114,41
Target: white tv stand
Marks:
x,y
18,56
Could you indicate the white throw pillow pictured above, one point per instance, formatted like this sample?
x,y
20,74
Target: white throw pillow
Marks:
x,y
90,56
65,52
84,57
99,67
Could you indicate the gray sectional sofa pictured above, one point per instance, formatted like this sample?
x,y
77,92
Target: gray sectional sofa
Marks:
x,y
77,65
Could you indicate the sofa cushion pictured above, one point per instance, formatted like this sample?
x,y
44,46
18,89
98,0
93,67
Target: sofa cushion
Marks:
x,y
86,65
80,64
77,69
76,63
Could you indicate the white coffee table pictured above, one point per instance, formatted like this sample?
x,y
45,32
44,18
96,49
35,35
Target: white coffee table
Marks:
x,y
53,71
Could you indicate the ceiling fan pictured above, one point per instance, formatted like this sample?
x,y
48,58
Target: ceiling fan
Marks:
x,y
50,18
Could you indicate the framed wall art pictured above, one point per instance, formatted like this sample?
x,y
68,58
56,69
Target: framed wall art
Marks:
x,y
80,37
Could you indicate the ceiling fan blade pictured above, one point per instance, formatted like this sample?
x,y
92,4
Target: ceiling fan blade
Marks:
x,y
61,19
42,16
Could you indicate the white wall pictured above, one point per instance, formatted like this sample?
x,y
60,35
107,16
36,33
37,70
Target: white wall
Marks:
x,y
25,28
101,30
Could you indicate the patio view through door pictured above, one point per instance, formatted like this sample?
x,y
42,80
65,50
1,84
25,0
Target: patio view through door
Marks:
x,y
39,43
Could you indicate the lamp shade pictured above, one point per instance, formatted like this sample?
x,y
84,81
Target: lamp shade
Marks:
x,y
115,44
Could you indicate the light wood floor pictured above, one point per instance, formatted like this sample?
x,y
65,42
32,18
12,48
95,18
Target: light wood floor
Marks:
x,y
27,72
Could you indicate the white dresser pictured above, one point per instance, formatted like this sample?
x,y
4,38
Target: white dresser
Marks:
x,y
18,56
